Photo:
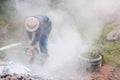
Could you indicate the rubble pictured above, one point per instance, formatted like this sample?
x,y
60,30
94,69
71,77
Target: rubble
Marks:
x,y
14,76
12,71
114,34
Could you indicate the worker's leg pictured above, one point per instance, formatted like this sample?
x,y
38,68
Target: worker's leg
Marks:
x,y
44,39
43,49
43,44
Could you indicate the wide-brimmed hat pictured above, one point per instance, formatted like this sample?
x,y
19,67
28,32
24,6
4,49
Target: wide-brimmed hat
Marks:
x,y
31,24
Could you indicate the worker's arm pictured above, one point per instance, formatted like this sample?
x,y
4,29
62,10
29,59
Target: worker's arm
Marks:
x,y
36,38
29,35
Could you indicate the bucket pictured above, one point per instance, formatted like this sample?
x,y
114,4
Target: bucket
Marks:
x,y
96,62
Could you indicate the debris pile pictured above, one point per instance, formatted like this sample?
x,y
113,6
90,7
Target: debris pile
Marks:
x,y
114,34
20,77
14,71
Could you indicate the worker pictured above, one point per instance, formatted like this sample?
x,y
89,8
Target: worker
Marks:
x,y
38,29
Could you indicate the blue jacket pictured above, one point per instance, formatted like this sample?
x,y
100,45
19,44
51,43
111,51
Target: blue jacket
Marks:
x,y
44,29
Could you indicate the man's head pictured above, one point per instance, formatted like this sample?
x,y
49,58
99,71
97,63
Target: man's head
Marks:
x,y
31,24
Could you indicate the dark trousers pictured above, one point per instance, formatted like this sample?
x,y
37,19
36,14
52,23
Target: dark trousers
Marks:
x,y
43,44
44,39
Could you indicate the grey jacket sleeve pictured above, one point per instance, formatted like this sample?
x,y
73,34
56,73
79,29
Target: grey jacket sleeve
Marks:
x,y
29,35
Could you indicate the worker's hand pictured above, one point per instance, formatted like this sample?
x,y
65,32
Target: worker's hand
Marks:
x,y
30,55
31,48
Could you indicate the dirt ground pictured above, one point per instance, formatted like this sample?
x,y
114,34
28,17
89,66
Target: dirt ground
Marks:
x,y
106,72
